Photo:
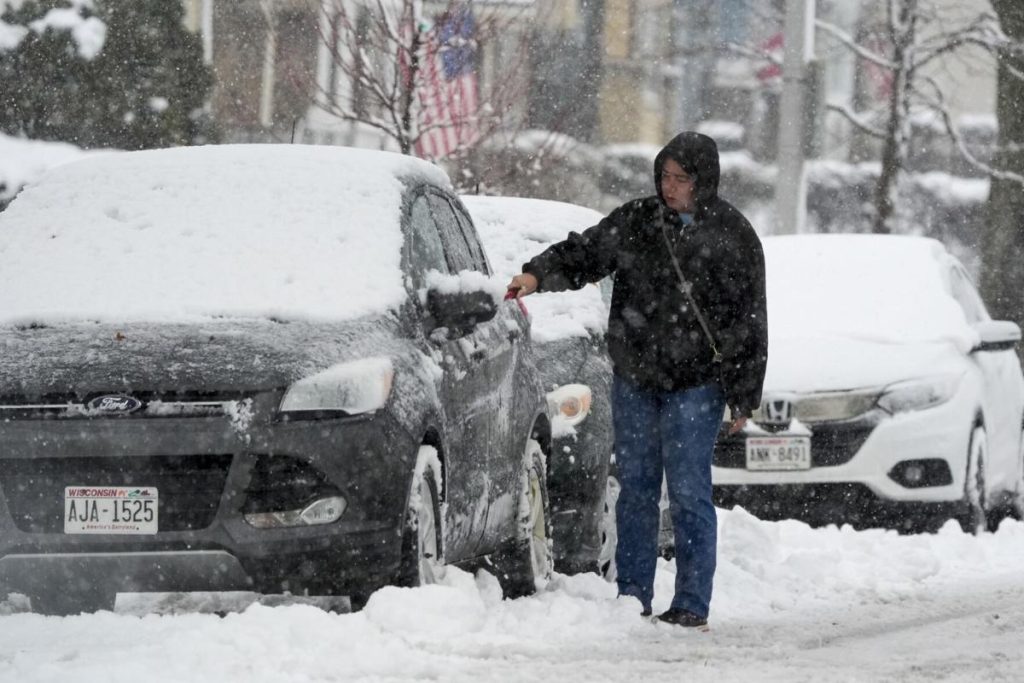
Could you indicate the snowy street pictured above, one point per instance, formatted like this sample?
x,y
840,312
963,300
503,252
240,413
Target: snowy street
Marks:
x,y
792,604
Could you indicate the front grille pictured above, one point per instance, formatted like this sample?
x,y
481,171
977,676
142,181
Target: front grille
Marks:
x,y
190,487
154,405
831,445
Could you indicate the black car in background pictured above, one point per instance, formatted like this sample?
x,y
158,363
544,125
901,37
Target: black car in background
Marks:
x,y
568,341
268,368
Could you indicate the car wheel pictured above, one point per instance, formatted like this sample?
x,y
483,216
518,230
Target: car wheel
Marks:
x,y
973,515
525,565
609,533
422,545
1018,496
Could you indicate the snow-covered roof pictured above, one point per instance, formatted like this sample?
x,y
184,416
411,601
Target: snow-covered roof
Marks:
x,y
516,229
881,288
23,161
284,231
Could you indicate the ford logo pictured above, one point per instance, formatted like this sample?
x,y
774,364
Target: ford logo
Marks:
x,y
114,404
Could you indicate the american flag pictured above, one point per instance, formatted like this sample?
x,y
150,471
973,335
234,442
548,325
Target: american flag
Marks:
x,y
448,98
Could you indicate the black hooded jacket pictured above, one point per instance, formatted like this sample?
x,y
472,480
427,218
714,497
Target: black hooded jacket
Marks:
x,y
654,338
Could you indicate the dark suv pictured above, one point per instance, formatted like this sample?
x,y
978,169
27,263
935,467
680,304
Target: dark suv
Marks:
x,y
289,374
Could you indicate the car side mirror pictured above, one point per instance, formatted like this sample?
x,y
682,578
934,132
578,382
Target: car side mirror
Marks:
x,y
997,335
459,311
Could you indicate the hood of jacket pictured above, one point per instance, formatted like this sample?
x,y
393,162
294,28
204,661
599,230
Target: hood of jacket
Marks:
x,y
697,154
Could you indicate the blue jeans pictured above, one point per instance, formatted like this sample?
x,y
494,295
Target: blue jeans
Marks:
x,y
672,432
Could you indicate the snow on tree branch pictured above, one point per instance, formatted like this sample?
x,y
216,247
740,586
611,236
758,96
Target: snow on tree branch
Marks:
x,y
937,103
855,119
851,43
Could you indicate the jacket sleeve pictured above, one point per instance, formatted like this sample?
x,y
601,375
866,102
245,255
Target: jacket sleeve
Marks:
x,y
580,258
743,340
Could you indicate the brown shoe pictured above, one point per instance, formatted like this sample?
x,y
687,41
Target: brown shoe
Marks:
x,y
682,617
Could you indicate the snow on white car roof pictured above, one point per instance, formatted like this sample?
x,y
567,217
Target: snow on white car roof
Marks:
x,y
514,230
888,289
235,231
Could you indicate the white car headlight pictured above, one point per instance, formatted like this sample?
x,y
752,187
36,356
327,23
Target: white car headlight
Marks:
x,y
918,394
360,386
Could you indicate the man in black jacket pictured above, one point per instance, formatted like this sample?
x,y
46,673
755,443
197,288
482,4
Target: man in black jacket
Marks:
x,y
687,335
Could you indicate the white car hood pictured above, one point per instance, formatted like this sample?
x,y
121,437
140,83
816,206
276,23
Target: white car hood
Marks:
x,y
814,364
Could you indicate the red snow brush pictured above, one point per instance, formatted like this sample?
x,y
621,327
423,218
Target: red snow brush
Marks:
x,y
511,294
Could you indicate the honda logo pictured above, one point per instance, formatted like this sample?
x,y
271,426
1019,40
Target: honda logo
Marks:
x,y
777,411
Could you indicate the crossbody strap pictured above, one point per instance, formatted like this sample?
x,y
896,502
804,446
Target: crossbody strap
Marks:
x,y
685,287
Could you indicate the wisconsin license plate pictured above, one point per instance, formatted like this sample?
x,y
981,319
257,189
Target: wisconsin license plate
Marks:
x,y
778,453
110,510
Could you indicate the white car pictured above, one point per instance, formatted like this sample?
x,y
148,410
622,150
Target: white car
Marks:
x,y
891,395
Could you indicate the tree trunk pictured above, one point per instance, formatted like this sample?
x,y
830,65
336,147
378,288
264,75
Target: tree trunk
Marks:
x,y
897,132
1003,238
885,190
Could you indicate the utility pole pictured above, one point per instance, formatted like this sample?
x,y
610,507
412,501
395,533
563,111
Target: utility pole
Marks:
x,y
791,183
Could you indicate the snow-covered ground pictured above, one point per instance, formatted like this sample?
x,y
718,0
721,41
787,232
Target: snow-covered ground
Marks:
x,y
792,604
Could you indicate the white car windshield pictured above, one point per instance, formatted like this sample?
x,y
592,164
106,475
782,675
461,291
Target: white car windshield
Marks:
x,y
880,288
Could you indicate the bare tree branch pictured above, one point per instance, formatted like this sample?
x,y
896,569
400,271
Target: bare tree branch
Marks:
x,y
850,42
937,103
858,122
983,32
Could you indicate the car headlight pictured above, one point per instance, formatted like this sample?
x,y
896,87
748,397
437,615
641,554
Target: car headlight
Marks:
x,y
568,406
918,394
352,388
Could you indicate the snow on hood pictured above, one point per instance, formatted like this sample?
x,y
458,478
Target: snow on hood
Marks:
x,y
513,231
176,235
883,289
838,364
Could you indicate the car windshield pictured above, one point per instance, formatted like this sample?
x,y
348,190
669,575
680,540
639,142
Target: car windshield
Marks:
x,y
880,288
267,231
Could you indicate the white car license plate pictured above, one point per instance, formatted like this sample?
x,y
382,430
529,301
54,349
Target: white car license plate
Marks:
x,y
110,510
778,453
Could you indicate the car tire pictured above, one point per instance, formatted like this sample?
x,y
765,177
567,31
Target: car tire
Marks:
x,y
422,560
1017,504
526,563
609,531
973,516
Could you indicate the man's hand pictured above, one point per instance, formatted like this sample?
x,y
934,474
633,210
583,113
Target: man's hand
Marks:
x,y
737,424
523,284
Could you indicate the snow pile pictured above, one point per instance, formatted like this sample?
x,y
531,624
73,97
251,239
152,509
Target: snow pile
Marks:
x,y
513,231
792,604
284,231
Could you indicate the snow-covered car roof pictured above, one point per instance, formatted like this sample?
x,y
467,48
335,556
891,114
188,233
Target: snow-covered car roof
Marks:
x,y
23,161
514,230
858,310
196,233
885,288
